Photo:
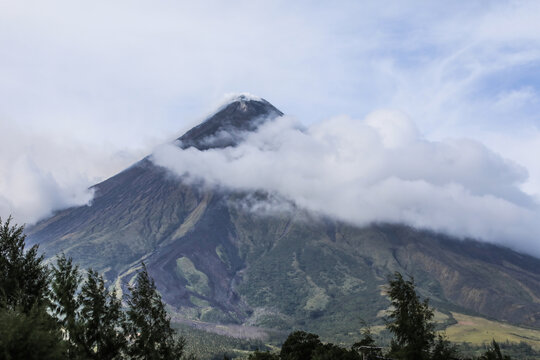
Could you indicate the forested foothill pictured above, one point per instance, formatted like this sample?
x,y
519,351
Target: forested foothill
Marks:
x,y
62,312
57,313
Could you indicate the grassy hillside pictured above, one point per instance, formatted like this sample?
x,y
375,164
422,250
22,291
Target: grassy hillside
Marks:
x,y
478,331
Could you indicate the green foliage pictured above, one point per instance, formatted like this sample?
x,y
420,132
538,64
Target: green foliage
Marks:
x,y
313,285
410,321
494,353
66,280
27,331
30,335
334,352
443,349
299,346
102,320
258,355
95,326
83,320
413,328
148,326
65,323
367,345
23,276
197,280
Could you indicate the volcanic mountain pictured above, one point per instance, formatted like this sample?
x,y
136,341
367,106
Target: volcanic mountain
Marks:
x,y
216,261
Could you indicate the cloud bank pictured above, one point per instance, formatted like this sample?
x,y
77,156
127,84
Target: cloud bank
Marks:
x,y
379,169
40,174
89,88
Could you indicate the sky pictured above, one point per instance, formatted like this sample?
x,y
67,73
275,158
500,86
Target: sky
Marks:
x,y
89,88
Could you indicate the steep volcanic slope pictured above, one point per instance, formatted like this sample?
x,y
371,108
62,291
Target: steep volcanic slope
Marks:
x,y
135,211
215,261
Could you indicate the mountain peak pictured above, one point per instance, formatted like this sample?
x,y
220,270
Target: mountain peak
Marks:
x,y
240,114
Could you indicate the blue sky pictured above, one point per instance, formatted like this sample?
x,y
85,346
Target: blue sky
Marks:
x,y
89,88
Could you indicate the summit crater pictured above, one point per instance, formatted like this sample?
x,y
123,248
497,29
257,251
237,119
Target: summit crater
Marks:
x,y
225,127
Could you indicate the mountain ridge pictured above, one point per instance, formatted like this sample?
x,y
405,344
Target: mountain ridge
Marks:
x,y
241,114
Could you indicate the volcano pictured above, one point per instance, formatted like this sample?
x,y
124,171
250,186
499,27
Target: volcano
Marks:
x,y
215,261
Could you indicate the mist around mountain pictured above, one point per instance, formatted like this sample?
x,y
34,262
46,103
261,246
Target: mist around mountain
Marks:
x,y
378,169
223,252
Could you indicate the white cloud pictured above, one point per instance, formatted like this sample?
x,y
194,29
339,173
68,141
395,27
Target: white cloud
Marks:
x,y
90,87
33,192
376,170
40,174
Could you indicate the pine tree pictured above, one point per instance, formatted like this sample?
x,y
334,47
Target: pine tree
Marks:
x,y
30,335
410,321
443,349
65,305
101,319
148,326
27,331
23,276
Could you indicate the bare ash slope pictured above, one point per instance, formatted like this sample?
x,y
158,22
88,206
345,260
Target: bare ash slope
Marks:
x,y
215,261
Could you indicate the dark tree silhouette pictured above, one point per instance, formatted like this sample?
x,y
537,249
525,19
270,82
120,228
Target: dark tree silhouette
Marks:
x,y
494,353
410,321
258,355
66,280
102,320
32,335
23,276
367,345
27,331
148,326
299,346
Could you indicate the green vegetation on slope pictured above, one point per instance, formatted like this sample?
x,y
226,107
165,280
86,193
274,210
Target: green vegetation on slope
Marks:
x,y
96,327
197,280
414,338
479,331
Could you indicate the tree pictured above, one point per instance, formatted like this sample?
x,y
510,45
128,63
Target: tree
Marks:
x,y
443,349
148,326
101,320
334,352
23,276
27,331
299,346
367,345
494,353
66,280
32,335
258,355
410,321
